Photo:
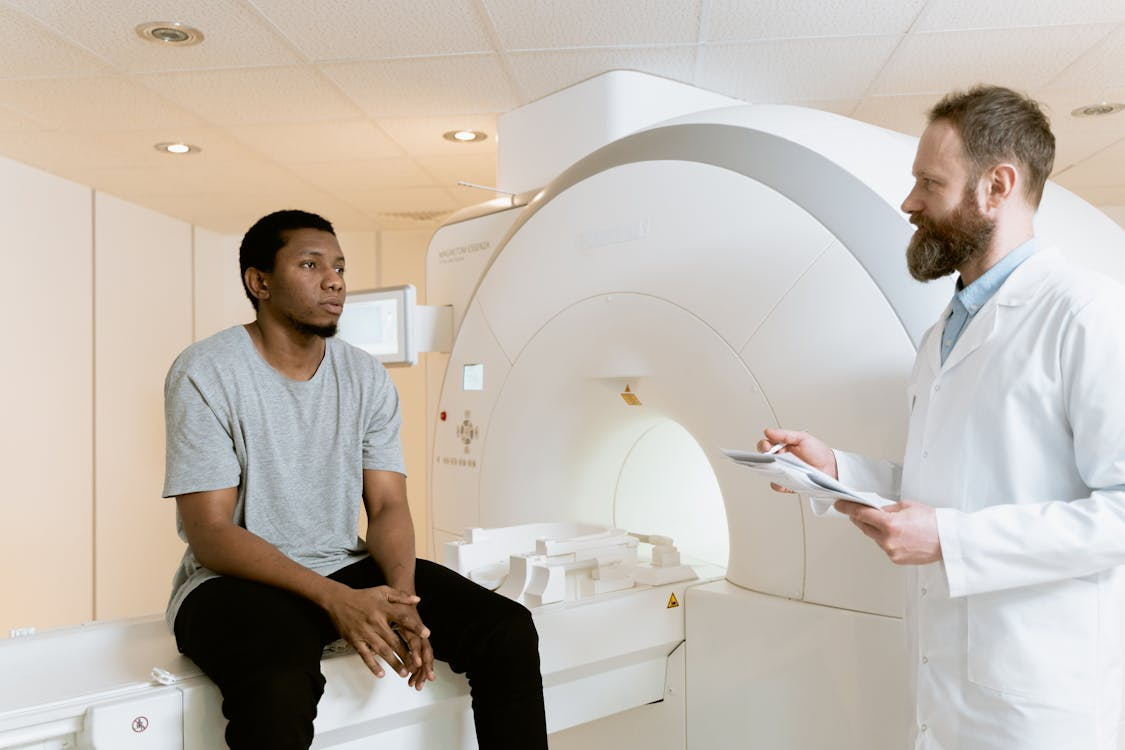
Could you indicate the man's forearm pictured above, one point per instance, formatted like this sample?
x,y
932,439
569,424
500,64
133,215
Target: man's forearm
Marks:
x,y
234,551
390,541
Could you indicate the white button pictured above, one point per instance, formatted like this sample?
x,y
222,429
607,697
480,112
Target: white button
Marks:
x,y
924,729
925,660
937,388
925,454
923,591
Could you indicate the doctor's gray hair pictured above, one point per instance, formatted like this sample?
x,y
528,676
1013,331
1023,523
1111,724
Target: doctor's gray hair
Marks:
x,y
999,125
268,235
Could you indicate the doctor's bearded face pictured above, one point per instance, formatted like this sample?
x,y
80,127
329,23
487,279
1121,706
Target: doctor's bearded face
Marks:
x,y
940,246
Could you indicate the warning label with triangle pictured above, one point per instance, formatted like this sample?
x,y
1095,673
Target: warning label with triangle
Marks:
x,y
673,601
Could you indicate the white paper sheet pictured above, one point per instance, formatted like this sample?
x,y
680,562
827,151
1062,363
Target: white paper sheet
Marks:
x,y
792,473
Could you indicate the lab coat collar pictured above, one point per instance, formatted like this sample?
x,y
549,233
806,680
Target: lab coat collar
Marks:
x,y
1019,289
1024,283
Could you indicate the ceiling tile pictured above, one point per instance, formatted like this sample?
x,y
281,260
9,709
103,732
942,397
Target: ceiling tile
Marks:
x,y
1020,58
1103,66
744,20
129,182
194,176
55,152
794,69
83,97
233,35
479,169
243,96
1059,105
523,25
378,202
93,104
1077,138
60,151
423,135
13,122
541,73
341,177
904,113
361,30
957,15
234,213
1100,170
27,49
138,147
292,143
1072,149
1101,196
432,86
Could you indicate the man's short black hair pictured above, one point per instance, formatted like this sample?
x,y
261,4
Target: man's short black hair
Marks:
x,y
268,235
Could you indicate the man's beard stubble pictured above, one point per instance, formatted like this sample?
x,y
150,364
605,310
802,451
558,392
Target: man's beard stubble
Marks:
x,y
325,332
941,246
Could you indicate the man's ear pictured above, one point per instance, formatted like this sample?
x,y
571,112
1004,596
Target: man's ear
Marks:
x,y
1001,184
257,283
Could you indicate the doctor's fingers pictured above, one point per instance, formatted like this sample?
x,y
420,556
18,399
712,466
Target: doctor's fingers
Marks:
x,y
873,523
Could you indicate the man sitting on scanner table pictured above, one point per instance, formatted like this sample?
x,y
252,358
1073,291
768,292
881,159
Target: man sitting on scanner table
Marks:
x,y
278,435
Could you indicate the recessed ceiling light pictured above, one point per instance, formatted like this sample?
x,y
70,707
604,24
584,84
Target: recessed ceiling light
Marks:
x,y
1098,110
177,147
464,136
170,33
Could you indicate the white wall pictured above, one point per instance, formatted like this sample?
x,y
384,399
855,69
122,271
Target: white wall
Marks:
x,y
402,260
218,300
143,319
46,399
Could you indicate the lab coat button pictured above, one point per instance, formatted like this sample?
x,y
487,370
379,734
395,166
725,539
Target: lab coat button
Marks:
x,y
924,728
925,454
937,388
925,660
923,591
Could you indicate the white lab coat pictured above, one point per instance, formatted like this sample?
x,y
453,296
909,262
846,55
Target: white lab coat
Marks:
x,y
1019,440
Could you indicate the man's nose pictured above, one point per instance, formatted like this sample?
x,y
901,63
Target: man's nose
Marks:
x,y
910,204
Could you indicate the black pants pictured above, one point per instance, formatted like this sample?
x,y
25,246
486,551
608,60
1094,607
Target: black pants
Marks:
x,y
262,646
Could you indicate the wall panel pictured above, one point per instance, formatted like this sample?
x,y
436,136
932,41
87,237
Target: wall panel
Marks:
x,y
219,299
402,260
46,399
143,314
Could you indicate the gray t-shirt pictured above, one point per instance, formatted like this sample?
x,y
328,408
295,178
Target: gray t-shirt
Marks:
x,y
296,450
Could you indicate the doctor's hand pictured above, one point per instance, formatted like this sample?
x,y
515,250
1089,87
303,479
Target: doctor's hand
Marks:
x,y
383,622
907,531
812,450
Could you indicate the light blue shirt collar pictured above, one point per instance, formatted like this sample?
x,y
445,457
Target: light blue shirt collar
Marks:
x,y
968,300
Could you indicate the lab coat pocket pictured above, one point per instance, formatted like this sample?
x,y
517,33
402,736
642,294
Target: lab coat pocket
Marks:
x,y
1039,641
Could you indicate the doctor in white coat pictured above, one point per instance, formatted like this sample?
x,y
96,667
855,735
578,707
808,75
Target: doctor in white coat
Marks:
x,y
1012,510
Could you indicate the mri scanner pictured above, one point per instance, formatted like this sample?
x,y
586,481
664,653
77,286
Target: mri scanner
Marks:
x,y
671,291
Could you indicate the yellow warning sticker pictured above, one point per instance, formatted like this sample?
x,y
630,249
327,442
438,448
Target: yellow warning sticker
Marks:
x,y
630,397
673,601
